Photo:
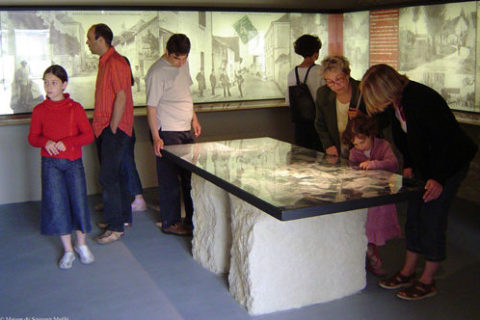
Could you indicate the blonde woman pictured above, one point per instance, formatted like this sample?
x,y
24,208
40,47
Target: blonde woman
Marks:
x,y
436,151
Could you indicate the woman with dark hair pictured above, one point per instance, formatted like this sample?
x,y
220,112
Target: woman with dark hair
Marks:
x,y
435,150
307,46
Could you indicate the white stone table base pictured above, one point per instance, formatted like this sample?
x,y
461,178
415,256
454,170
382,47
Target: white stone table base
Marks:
x,y
278,265
212,236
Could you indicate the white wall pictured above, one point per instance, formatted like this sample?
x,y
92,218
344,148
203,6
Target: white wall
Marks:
x,y
20,174
20,163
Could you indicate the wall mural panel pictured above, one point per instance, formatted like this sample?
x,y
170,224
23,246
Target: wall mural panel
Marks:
x,y
437,48
235,56
356,42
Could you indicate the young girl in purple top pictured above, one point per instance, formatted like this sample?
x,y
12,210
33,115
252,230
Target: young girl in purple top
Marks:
x,y
371,153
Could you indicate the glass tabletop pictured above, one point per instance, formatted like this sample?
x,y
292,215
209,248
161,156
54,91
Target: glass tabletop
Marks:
x,y
289,181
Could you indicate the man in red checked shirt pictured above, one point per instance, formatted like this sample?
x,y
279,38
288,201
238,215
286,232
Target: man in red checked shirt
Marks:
x,y
112,126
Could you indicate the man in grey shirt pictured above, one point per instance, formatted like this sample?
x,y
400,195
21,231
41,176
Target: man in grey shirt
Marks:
x,y
171,119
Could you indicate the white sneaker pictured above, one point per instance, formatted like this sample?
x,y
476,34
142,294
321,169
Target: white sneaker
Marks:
x,y
67,260
139,205
86,256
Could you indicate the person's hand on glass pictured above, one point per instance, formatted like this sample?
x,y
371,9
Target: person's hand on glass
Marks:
x,y
331,159
365,165
332,151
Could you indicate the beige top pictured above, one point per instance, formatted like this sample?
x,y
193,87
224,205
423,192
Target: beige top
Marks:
x,y
342,120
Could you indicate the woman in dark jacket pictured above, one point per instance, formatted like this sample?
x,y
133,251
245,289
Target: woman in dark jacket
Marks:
x,y
336,102
435,150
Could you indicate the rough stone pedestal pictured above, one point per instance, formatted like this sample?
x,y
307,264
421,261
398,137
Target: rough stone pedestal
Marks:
x,y
278,265
212,236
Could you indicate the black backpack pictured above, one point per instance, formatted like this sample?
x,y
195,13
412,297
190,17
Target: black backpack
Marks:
x,y
302,106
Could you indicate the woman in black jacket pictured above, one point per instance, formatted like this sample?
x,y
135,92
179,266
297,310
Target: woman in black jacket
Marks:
x,y
435,150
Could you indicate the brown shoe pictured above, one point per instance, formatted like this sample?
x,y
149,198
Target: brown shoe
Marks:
x,y
102,225
177,229
109,236
188,227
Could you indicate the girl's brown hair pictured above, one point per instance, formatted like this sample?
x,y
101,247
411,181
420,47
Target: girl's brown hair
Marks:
x,y
57,71
360,125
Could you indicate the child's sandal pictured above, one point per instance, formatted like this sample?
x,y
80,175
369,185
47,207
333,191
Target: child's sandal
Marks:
x,y
374,263
418,291
397,281
376,270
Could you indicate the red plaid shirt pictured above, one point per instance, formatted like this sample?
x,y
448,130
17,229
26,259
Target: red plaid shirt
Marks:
x,y
113,76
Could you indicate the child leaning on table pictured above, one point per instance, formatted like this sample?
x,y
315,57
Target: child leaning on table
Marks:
x,y
372,153
60,127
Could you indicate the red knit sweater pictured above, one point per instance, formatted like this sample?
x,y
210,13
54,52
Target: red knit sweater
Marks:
x,y
64,121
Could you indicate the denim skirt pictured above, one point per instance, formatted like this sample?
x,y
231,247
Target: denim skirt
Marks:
x,y
64,197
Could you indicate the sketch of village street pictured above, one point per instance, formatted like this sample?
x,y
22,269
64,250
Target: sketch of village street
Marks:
x,y
234,56
437,48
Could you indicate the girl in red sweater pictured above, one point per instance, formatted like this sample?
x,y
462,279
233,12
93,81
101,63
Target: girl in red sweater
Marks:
x,y
60,127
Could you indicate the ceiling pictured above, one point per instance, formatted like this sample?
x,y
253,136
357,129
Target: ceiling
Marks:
x,y
263,5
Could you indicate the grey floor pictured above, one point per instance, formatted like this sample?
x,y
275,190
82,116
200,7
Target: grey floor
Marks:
x,y
149,275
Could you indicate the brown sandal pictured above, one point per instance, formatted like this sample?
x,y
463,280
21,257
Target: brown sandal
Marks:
x,y
374,262
418,291
397,281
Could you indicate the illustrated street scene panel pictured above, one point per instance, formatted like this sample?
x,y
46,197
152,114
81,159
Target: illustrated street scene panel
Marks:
x,y
234,56
356,42
437,48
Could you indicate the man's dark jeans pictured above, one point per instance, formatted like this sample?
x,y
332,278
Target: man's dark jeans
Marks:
x,y
112,150
172,180
134,183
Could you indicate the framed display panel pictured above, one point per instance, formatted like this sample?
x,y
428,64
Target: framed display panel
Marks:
x,y
240,57
235,56
438,47
435,45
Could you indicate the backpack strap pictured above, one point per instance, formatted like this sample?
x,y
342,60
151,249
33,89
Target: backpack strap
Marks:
x,y
306,75
296,75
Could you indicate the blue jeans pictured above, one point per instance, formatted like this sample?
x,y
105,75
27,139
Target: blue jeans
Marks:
x,y
172,180
112,150
130,168
64,197
426,226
